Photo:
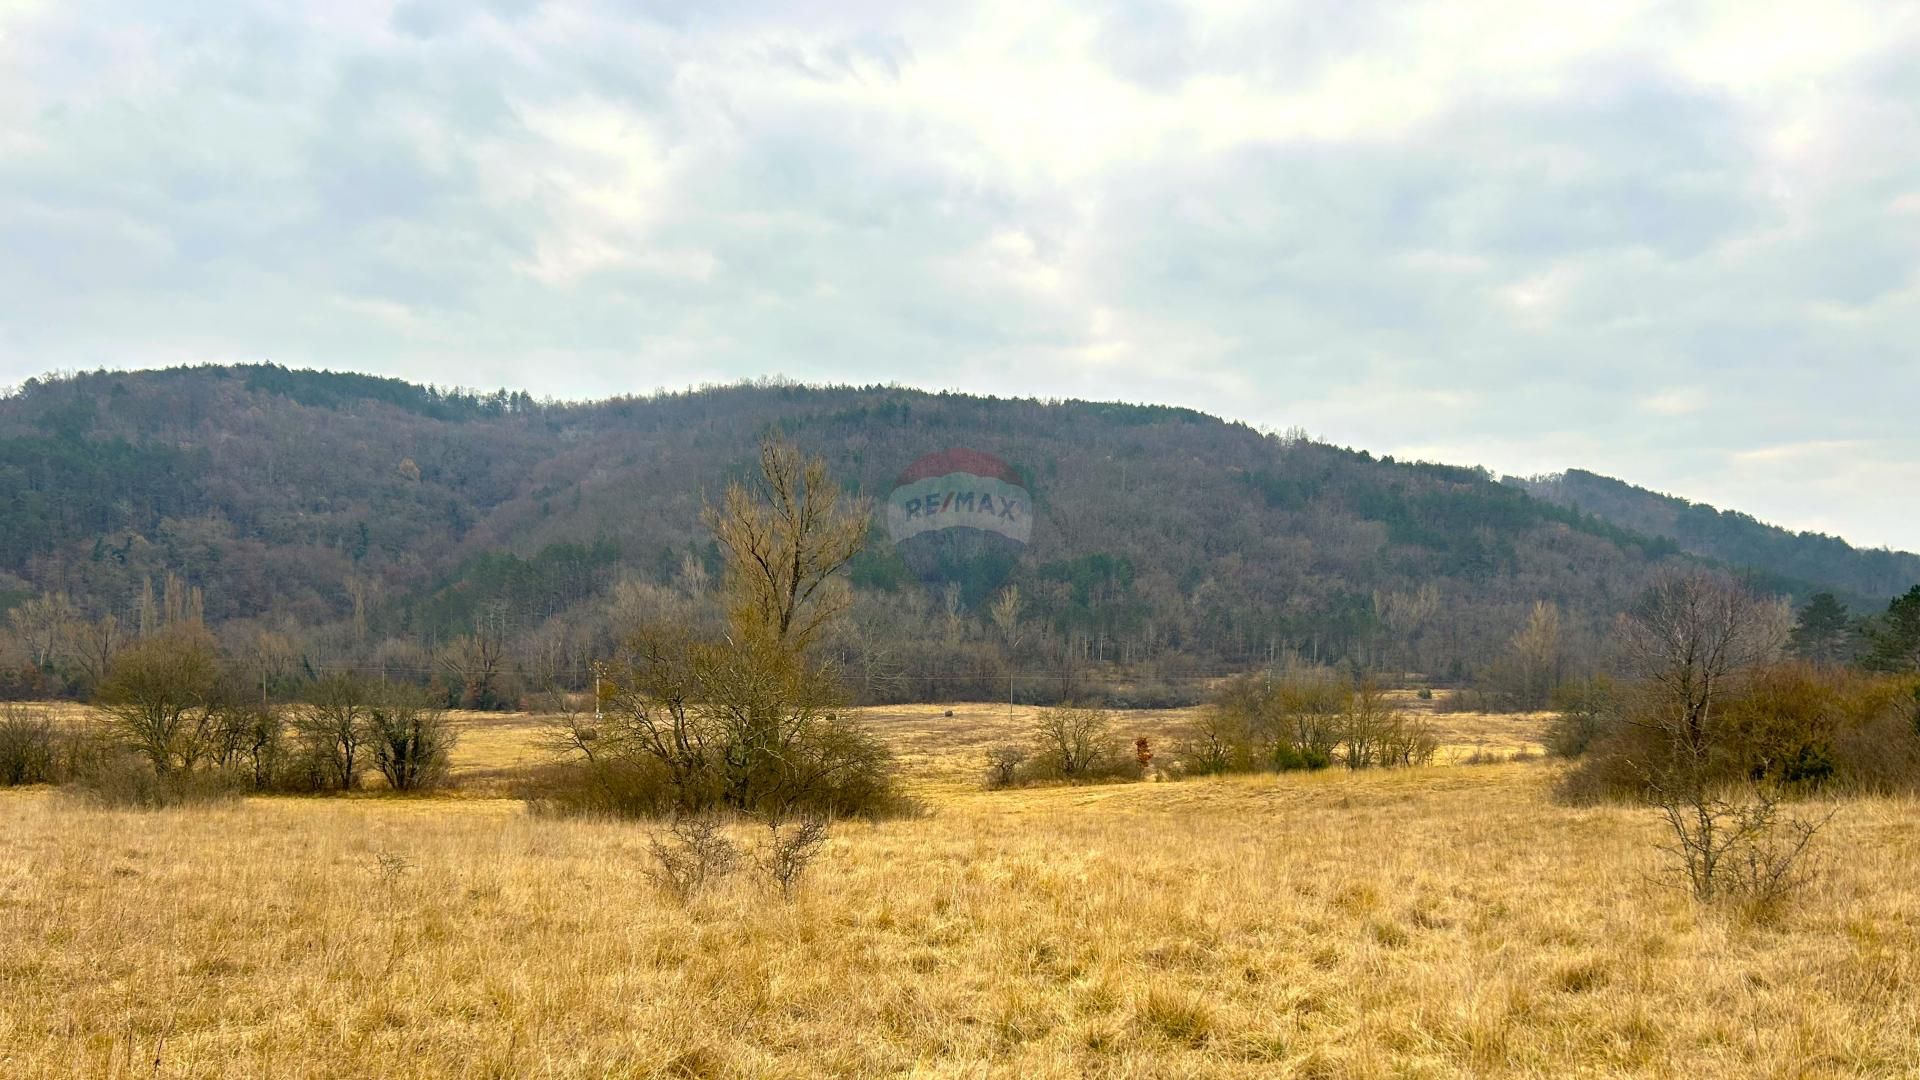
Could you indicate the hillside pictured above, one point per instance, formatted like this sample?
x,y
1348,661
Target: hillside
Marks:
x,y
357,520
1867,576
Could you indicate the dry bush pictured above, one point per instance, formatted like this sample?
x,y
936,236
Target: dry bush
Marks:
x,y
1735,844
746,724
690,854
1003,765
1801,727
29,753
1077,745
1375,734
122,780
412,744
791,847
1585,710
1283,721
609,786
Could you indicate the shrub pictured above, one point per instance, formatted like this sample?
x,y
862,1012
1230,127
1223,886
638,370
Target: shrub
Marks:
x,y
412,744
792,845
690,854
749,725
128,781
1584,710
1077,745
1003,765
28,751
1735,844
1793,725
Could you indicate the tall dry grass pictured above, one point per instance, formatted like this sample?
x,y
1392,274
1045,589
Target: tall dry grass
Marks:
x,y
1436,922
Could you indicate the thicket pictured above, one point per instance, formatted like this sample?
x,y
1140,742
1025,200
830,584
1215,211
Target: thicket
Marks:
x,y
1303,718
172,727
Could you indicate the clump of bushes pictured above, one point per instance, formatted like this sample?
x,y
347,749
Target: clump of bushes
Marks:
x,y
690,725
1305,718
29,752
692,852
1069,744
1791,725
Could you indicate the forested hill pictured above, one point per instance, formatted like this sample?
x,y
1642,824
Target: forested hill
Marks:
x,y
362,518
1732,537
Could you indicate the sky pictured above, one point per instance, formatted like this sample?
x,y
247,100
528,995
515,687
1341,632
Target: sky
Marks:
x,y
1677,243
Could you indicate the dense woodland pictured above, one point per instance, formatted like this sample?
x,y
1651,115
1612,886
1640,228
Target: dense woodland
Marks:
x,y
491,545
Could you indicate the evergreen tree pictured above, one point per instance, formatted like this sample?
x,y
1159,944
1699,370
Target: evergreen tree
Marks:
x,y
1824,632
1895,636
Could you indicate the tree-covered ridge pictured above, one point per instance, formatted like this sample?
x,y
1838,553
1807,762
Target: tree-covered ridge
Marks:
x,y
1732,537
360,517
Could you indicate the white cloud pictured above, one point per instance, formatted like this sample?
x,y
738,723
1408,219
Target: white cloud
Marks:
x,y
1644,238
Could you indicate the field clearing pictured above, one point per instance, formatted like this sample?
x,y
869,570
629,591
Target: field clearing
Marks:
x,y
1447,921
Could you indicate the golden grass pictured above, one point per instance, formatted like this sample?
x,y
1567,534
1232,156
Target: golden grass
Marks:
x,y
1449,921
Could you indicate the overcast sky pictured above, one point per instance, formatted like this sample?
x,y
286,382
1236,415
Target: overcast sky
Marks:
x,y
1677,243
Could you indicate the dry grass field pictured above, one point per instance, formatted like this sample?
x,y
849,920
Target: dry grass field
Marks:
x,y
1439,922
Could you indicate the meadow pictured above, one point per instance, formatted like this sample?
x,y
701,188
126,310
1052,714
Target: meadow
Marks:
x,y
1442,921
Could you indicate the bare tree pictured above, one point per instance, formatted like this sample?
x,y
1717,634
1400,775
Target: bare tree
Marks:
x,y
1079,742
787,535
1692,638
93,643
163,698
1689,638
335,726
1005,612
1536,651
42,624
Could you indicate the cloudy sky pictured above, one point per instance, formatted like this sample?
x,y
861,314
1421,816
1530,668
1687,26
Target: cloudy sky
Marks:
x,y
1676,242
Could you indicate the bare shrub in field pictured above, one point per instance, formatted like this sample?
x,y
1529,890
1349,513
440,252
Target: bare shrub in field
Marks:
x,y
121,779
163,698
29,753
1303,718
1715,710
1375,734
1077,744
1714,732
747,724
335,725
1003,765
1736,845
412,743
690,854
791,847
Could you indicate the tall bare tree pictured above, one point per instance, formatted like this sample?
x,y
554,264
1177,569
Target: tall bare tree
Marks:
x,y
1689,638
41,623
787,534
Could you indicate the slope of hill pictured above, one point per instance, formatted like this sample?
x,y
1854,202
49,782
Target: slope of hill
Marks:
x,y
360,517
1869,576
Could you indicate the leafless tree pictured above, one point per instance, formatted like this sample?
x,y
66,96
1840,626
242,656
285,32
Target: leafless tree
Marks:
x,y
787,536
164,698
1692,638
1080,742
336,724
